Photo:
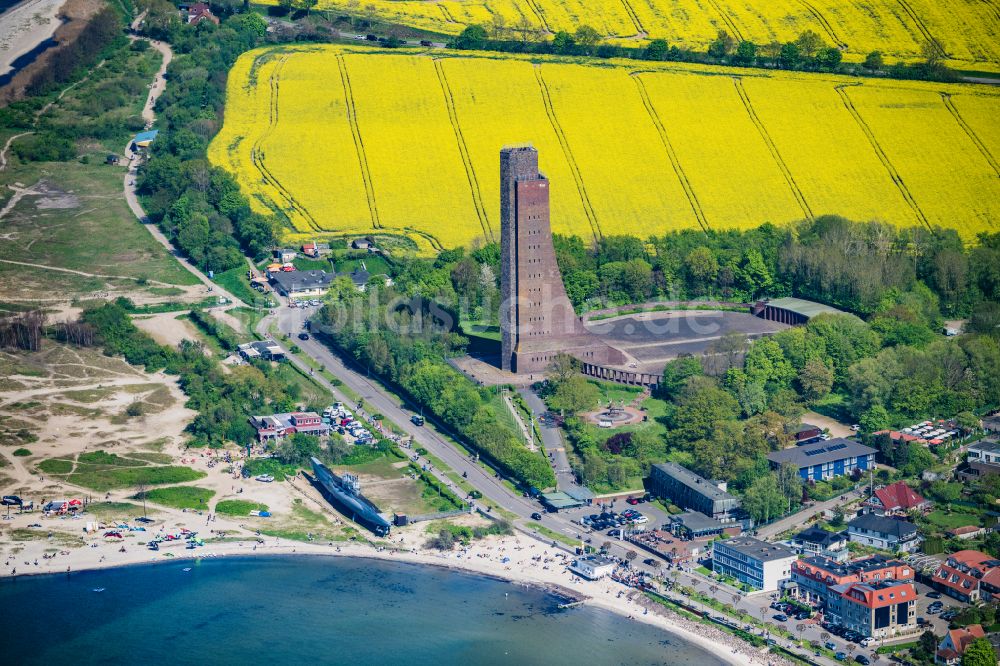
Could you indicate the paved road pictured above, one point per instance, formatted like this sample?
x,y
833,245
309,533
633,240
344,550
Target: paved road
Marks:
x,y
552,439
798,519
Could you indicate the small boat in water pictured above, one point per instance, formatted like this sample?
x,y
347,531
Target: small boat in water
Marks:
x,y
98,589
186,569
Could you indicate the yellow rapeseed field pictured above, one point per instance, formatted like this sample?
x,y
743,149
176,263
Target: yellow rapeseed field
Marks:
x,y
967,30
338,141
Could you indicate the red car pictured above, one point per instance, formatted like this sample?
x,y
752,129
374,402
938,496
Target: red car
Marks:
x,y
632,500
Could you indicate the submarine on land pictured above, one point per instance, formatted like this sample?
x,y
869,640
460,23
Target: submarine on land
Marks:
x,y
344,492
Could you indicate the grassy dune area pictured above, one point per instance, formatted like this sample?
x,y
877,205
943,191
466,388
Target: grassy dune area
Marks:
x,y
411,144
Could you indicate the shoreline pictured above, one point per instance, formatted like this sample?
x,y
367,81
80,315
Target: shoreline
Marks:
x,y
24,27
470,561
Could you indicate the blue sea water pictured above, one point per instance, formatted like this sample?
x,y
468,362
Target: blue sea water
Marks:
x,y
315,610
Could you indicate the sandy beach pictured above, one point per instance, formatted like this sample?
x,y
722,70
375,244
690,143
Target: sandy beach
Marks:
x,y
24,27
518,558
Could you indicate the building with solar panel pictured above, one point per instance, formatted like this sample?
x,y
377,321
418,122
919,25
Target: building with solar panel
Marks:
x,y
825,460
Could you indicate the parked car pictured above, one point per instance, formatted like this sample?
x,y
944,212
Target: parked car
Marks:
x,y
840,656
416,419
536,516
933,595
781,617
830,645
862,659
303,336
632,500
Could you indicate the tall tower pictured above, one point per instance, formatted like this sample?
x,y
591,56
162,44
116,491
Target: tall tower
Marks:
x,y
537,321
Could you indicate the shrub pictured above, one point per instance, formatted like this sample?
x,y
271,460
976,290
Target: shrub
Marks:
x,y
22,453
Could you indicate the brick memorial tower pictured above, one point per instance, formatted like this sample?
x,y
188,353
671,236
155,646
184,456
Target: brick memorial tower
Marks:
x,y
537,320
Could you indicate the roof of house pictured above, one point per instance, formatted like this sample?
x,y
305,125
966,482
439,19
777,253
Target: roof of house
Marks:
x,y
883,525
820,453
757,549
596,561
804,427
819,536
696,521
899,496
302,280
963,636
987,446
148,135
965,529
877,595
858,568
975,559
692,480
803,307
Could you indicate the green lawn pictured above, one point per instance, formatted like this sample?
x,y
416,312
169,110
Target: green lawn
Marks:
x,y
236,283
304,264
234,507
949,521
106,471
180,497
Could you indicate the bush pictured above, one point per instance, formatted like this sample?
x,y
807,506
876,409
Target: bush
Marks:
x,y
44,147
179,497
239,508
22,453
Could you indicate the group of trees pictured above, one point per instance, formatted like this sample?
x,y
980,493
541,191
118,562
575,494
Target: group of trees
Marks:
x,y
866,268
406,342
200,206
808,52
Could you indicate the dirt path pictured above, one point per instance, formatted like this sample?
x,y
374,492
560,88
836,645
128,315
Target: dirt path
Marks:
x,y
6,147
836,428
76,272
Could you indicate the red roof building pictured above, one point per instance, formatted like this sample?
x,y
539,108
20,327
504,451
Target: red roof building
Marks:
x,y
897,499
953,645
877,610
969,575
199,12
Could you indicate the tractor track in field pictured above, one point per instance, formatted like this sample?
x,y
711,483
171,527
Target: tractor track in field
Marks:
x,y
971,133
434,242
924,30
993,8
359,144
447,15
538,14
675,162
727,20
640,29
882,156
257,152
463,149
772,148
550,111
818,15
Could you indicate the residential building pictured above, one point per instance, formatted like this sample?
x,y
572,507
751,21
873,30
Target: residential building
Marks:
x,y
310,250
759,564
199,12
884,533
696,525
812,577
875,610
966,532
953,645
668,546
806,433
689,491
969,575
825,459
983,459
817,541
279,426
302,284
896,499
593,567
361,244
284,255
261,349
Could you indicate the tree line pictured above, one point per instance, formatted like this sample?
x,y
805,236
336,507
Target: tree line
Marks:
x,y
200,206
808,52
